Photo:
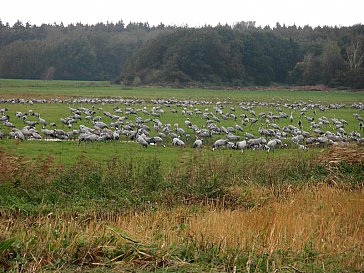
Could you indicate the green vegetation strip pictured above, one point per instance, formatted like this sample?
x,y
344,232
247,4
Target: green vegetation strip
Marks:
x,y
44,89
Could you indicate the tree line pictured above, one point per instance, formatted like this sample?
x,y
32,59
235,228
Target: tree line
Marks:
x,y
137,53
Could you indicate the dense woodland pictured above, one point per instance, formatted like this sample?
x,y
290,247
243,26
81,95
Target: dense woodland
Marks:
x,y
137,54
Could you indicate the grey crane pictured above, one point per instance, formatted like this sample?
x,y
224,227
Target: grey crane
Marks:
x,y
116,135
232,137
156,140
188,122
310,140
238,127
35,134
100,124
302,147
142,141
297,139
42,121
197,144
323,140
241,145
256,142
9,124
4,118
17,134
31,123
273,143
219,143
87,137
47,132
249,135
177,142
230,145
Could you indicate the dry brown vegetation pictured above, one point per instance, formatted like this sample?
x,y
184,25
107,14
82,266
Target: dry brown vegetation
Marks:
x,y
314,225
322,223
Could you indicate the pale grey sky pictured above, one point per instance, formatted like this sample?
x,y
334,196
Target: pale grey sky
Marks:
x,y
190,12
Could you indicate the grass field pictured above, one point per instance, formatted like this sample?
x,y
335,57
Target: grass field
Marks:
x,y
52,112
116,207
64,89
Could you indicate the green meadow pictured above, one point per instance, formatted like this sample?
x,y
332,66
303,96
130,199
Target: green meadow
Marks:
x,y
46,89
67,152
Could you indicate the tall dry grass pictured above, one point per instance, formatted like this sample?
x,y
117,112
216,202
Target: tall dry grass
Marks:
x,y
327,220
319,225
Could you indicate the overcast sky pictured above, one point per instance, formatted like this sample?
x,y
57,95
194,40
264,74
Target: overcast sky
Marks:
x,y
185,12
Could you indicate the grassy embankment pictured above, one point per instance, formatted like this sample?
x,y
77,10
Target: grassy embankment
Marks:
x,y
114,207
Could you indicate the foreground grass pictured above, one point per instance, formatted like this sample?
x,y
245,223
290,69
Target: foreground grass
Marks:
x,y
314,229
202,214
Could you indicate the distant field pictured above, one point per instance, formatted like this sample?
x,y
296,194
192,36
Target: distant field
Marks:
x,y
46,89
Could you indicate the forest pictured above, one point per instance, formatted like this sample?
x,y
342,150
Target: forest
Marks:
x,y
135,54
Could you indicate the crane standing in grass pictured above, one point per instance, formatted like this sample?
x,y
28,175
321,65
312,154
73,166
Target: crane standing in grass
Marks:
x,y
219,143
241,145
197,144
142,141
177,142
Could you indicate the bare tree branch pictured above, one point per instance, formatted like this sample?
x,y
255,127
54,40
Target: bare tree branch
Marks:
x,y
355,55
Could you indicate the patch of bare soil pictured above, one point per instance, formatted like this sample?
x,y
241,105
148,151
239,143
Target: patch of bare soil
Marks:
x,y
350,154
8,165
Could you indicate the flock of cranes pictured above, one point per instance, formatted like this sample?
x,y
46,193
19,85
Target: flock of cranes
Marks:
x,y
205,124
